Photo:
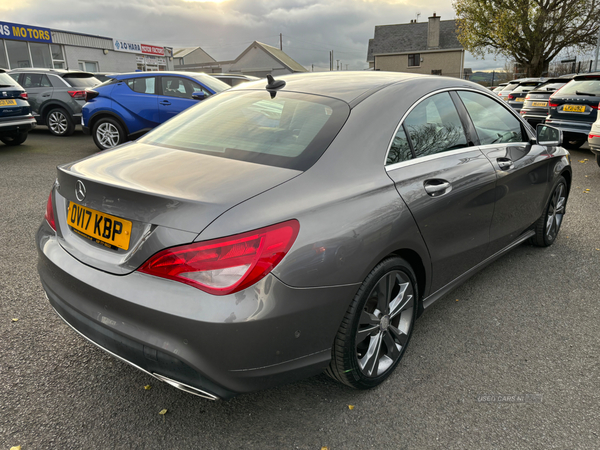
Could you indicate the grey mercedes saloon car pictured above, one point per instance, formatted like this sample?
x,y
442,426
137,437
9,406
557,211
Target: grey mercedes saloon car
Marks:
x,y
288,227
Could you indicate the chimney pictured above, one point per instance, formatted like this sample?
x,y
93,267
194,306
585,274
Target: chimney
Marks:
x,y
433,32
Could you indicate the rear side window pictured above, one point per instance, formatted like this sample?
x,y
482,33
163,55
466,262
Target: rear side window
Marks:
x,y
81,80
434,126
400,148
493,123
585,87
35,80
290,130
142,85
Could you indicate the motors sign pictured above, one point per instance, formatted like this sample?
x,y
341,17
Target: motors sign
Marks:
x,y
135,47
25,32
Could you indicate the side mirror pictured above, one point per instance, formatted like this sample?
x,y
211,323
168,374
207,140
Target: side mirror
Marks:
x,y
547,135
198,96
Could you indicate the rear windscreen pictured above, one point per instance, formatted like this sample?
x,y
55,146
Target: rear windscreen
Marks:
x,y
582,87
7,80
551,85
291,130
81,81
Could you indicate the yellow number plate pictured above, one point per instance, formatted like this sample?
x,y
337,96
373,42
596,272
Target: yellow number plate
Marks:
x,y
102,228
539,104
8,103
520,99
574,108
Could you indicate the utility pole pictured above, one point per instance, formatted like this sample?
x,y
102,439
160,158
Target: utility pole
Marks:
x,y
280,41
337,67
596,57
493,76
312,67
346,66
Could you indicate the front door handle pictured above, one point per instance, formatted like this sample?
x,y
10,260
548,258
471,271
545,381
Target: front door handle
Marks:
x,y
45,95
164,102
505,163
437,187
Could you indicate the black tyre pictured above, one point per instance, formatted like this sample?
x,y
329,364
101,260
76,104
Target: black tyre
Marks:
x,y
59,122
108,133
548,226
598,159
376,329
573,141
14,139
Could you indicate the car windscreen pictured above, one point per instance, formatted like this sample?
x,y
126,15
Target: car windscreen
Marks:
x,y
589,86
290,130
7,80
212,83
81,80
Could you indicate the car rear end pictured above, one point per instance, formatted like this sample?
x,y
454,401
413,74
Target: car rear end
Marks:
x,y
74,95
594,139
510,86
15,113
574,107
535,105
516,98
124,261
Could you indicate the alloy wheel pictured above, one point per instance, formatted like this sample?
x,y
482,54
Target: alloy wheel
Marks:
x,y
556,211
385,323
58,122
108,135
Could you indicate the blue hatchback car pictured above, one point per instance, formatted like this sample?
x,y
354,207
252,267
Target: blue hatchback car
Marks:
x,y
130,104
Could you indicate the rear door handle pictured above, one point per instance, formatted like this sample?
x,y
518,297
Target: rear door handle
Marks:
x,y
437,187
504,163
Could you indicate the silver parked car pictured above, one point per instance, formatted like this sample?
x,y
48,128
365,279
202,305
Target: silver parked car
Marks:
x,y
275,231
56,96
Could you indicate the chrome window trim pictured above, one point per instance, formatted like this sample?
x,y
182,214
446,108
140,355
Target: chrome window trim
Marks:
x,y
439,91
421,159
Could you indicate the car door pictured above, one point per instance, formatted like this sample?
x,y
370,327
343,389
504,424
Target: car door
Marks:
x,y
177,95
447,184
137,96
521,167
39,89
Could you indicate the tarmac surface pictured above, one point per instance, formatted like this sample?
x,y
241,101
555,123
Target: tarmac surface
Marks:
x,y
508,360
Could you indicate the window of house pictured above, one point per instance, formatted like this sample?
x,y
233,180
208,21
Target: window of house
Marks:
x,y
436,72
400,148
58,58
143,85
414,60
88,66
493,123
18,54
40,54
434,126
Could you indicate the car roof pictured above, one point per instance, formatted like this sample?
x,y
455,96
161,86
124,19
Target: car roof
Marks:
x,y
61,72
587,76
121,76
351,87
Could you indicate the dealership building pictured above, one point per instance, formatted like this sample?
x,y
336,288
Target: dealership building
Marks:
x,y
33,46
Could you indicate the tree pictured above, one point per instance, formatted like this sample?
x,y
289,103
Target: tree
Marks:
x,y
531,32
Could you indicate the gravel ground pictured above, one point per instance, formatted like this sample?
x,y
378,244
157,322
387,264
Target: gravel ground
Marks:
x,y
508,360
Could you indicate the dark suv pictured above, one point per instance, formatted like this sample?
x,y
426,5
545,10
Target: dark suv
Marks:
x,y
535,106
15,114
574,107
56,96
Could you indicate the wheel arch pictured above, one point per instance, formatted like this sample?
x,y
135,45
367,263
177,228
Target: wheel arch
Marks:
x,y
107,114
52,104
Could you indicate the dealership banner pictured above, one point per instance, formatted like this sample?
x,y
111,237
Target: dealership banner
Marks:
x,y
135,47
25,32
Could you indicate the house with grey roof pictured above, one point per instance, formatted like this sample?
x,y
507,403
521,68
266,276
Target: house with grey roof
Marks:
x,y
418,47
258,60
191,55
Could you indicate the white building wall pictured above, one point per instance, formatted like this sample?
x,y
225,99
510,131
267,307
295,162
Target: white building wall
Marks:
x,y
112,62
256,60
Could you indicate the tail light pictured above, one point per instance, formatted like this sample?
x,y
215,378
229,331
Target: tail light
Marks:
x,y
24,96
592,136
595,107
226,265
77,94
512,96
90,94
527,97
49,216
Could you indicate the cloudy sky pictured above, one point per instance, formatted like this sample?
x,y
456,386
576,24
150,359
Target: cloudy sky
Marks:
x,y
224,28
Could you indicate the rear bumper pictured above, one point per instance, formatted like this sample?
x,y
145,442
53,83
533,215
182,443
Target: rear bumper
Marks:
x,y
570,126
86,130
18,125
216,347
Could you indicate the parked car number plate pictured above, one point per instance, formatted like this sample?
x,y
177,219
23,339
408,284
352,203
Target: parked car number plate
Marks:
x,y
574,108
99,227
539,104
8,103
520,99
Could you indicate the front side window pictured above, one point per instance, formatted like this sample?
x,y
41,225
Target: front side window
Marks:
x,y
434,126
181,87
493,123
143,85
414,60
